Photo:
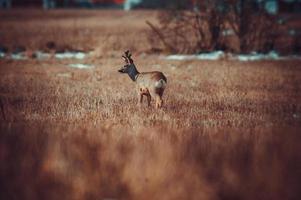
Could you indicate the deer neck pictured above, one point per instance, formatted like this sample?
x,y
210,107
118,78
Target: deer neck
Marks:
x,y
133,72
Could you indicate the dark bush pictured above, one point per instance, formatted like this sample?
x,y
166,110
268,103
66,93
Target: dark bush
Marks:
x,y
204,28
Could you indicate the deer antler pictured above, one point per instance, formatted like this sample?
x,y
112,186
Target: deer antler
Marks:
x,y
127,57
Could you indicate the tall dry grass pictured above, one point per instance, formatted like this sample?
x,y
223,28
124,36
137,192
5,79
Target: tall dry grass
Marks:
x,y
227,131
79,162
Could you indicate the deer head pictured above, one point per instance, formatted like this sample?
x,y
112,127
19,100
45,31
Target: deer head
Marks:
x,y
129,63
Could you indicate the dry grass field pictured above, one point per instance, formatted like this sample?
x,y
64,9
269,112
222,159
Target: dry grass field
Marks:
x,y
229,130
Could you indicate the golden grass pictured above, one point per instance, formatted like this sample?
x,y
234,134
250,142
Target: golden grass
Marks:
x,y
105,31
228,130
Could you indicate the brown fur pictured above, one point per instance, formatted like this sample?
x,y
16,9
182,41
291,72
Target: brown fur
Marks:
x,y
146,83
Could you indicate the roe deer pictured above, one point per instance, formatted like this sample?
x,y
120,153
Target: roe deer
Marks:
x,y
149,84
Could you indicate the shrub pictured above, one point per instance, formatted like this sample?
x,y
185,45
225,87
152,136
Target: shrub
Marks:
x,y
203,28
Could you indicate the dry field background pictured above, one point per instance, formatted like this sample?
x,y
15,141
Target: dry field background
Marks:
x,y
106,32
228,130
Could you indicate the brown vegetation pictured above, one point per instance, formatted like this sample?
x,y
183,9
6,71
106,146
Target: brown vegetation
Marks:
x,y
229,25
102,31
229,130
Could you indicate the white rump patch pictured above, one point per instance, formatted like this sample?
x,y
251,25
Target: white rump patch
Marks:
x,y
160,84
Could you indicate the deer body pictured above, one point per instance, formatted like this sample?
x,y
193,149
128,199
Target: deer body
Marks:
x,y
149,84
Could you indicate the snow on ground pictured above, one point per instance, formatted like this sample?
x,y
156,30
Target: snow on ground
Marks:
x,y
258,56
2,55
216,55
81,66
18,56
42,55
272,55
69,55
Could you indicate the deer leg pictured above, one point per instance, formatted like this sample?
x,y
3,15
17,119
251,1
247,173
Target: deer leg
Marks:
x,y
149,98
159,101
140,98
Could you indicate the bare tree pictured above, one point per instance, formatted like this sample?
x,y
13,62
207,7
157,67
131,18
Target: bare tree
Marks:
x,y
253,26
181,31
191,31
202,28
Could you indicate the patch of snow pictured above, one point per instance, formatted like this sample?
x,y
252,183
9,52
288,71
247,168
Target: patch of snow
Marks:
x,y
257,56
69,55
18,56
41,55
181,57
2,54
215,55
81,66
254,56
272,55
